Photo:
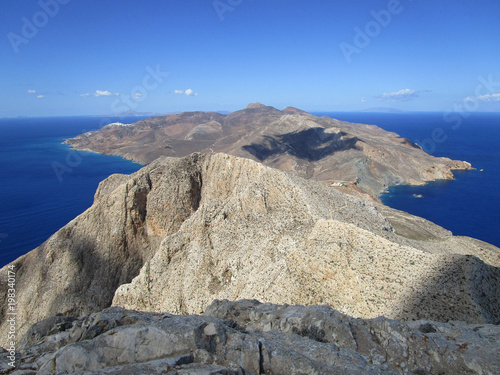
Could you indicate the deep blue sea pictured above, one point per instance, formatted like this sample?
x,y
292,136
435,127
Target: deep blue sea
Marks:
x,y
43,183
468,205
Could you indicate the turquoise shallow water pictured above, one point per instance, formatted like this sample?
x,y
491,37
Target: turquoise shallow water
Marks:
x,y
468,205
43,183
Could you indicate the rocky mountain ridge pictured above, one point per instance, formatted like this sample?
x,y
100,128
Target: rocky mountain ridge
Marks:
x,y
182,232
355,157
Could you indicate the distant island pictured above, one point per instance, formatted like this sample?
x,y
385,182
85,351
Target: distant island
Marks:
x,y
359,158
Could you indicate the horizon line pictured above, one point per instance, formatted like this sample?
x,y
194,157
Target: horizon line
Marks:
x,y
390,111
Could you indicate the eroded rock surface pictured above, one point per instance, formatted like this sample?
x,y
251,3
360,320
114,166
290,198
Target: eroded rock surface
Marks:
x,y
248,337
180,233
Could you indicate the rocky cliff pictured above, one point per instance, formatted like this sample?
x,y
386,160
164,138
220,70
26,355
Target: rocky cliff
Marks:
x,y
180,233
360,158
247,337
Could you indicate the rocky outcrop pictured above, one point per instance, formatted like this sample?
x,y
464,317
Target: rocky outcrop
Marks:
x,y
180,233
79,268
363,158
248,337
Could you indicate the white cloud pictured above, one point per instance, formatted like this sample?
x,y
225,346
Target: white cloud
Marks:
x,y
40,96
188,92
31,91
399,96
489,97
102,93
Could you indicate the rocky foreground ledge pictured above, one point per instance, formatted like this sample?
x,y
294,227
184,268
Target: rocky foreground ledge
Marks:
x,y
248,337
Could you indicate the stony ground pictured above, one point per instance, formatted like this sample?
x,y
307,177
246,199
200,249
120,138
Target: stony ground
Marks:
x,y
248,337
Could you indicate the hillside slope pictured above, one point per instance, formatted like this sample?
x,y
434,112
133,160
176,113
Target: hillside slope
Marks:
x,y
361,158
180,233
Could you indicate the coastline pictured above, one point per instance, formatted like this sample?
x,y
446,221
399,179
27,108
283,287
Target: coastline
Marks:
x,y
453,204
86,149
467,167
46,183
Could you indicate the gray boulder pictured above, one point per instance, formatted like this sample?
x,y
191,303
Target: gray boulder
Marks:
x,y
248,337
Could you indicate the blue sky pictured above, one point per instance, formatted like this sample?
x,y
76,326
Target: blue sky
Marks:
x,y
76,57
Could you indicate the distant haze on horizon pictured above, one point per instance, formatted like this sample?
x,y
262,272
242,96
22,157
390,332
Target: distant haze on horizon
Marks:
x,y
68,57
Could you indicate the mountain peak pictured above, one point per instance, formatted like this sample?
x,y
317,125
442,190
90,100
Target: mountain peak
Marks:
x,y
255,105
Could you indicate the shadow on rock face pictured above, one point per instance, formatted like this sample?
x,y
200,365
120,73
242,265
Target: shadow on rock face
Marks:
x,y
312,144
249,337
460,287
